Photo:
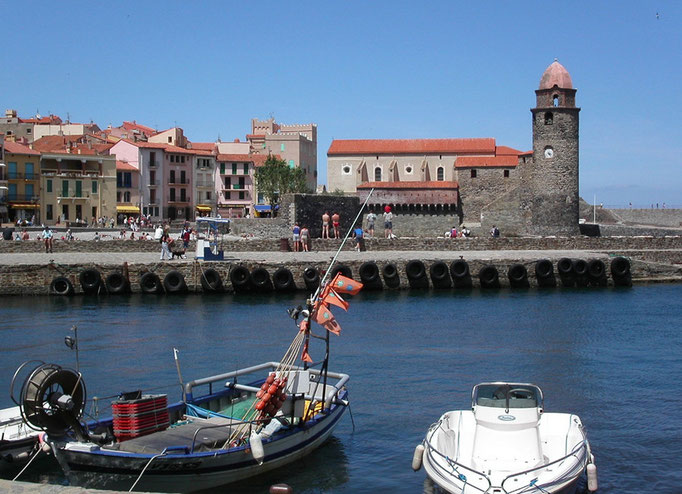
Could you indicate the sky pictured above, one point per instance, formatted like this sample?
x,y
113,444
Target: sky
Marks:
x,y
366,70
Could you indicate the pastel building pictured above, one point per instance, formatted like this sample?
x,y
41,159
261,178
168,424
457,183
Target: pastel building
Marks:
x,y
128,197
22,165
3,181
234,184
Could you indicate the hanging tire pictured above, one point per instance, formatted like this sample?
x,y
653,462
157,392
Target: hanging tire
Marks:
x,y
61,285
174,282
518,276
416,274
283,280
150,283
489,277
440,275
369,276
311,278
391,275
544,273
566,273
596,272
620,271
580,270
90,281
211,280
461,275
116,283
240,278
260,279
343,269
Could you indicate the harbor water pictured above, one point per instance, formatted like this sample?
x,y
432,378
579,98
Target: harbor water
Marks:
x,y
613,357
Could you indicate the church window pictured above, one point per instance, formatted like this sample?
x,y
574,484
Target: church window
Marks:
x,y
440,174
346,169
473,173
408,169
506,174
549,118
377,174
555,100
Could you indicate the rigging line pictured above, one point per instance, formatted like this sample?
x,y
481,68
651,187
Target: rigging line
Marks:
x,y
163,453
29,462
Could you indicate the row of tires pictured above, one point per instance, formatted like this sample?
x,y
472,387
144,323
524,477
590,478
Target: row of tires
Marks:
x,y
571,272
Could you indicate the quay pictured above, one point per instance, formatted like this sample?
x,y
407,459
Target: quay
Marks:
x,y
27,270
17,487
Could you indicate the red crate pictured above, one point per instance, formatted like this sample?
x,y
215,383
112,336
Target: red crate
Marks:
x,y
134,418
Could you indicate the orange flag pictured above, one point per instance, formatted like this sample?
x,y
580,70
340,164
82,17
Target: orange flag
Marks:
x,y
305,356
341,284
325,318
329,296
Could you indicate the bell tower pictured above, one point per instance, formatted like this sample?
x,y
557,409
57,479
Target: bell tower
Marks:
x,y
553,179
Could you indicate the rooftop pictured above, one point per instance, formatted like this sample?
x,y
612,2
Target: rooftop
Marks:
x,y
412,146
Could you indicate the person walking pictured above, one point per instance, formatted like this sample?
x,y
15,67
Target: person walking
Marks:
x,y
165,250
388,222
47,236
325,224
336,222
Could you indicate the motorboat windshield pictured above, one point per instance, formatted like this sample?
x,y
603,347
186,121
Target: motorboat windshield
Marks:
x,y
507,395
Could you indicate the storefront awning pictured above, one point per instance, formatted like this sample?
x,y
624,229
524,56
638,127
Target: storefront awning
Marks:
x,y
20,205
202,207
127,209
264,208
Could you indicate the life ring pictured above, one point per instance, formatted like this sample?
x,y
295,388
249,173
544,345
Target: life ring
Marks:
x,y
391,275
174,282
116,283
61,285
544,272
311,278
489,277
369,275
211,281
90,280
518,276
260,278
240,278
416,274
283,280
440,276
150,283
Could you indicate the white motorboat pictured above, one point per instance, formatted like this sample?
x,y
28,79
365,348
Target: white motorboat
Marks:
x,y
507,444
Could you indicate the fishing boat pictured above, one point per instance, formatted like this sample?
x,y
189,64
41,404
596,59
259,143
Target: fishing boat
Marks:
x,y
507,444
17,440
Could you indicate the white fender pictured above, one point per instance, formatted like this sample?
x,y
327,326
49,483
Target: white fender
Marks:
x,y
417,457
257,448
592,484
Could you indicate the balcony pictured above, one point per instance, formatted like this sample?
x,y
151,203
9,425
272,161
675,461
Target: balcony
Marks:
x,y
179,200
153,164
153,183
120,185
205,183
22,198
178,181
24,176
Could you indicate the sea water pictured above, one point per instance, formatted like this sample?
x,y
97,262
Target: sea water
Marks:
x,y
611,356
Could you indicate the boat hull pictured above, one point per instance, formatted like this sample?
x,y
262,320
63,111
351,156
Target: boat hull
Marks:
x,y
106,469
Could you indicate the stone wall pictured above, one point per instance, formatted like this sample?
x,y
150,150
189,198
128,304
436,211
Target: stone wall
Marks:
x,y
309,209
654,217
488,185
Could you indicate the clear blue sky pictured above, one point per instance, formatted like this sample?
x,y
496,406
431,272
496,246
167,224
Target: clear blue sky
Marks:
x,y
366,69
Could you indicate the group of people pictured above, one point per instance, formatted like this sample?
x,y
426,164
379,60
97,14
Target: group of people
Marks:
x,y
463,232
301,238
162,234
336,222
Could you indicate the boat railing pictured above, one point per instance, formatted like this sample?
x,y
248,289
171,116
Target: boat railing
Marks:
x,y
454,464
580,464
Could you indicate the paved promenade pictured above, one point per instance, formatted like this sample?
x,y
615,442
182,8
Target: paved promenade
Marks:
x,y
8,487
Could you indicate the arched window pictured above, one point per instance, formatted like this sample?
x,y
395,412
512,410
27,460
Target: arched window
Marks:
x,y
440,174
555,100
377,174
549,118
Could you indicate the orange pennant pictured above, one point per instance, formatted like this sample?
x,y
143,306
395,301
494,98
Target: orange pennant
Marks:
x,y
305,356
325,318
342,284
331,297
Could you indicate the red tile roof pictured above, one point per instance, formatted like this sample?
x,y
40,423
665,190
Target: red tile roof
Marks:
x,y
204,146
411,146
125,166
16,148
169,148
506,151
148,131
51,119
409,185
255,136
486,161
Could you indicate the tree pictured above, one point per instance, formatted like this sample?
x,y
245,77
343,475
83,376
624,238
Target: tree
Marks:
x,y
275,179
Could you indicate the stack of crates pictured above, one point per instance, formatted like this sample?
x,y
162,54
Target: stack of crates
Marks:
x,y
140,416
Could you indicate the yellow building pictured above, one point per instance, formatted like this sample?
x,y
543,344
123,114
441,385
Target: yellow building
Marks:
x,y
23,184
75,188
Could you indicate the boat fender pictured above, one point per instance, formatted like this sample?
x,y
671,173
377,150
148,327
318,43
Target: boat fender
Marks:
x,y
592,484
257,448
417,457
281,489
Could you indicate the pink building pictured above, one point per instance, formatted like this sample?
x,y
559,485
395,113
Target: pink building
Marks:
x,y
234,183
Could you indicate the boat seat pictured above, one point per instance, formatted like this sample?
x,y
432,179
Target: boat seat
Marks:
x,y
513,403
207,439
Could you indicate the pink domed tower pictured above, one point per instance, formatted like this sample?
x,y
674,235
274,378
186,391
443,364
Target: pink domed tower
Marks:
x,y
554,177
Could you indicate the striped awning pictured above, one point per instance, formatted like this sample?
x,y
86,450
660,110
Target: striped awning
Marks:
x,y
24,205
127,209
202,207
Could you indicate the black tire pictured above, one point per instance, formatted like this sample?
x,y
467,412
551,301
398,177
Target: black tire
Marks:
x,y
311,278
391,275
260,279
489,277
240,278
90,281
211,280
150,283
596,272
174,282
369,276
518,276
116,283
440,275
283,280
461,275
620,271
343,269
61,285
580,271
416,274
564,266
544,273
